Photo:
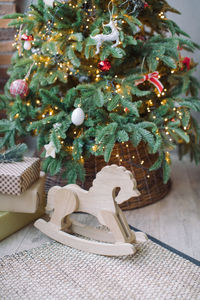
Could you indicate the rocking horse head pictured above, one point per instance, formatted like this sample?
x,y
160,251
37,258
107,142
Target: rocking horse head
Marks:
x,y
113,177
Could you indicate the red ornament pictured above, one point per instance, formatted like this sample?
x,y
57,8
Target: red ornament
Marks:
x,y
19,87
146,5
141,38
186,62
126,109
26,37
104,65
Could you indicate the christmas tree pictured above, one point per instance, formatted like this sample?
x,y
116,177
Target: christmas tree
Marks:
x,y
89,74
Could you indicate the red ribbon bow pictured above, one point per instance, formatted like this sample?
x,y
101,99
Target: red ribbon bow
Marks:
x,y
154,79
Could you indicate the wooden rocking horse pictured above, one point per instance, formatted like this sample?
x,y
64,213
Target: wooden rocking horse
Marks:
x,y
100,201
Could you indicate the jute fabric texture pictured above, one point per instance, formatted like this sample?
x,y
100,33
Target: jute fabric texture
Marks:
x,y
55,272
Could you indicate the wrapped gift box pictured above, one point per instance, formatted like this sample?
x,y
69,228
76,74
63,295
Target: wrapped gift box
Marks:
x,y
17,177
28,202
11,222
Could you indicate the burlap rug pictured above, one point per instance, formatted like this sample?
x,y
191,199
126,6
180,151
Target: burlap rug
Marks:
x,y
55,272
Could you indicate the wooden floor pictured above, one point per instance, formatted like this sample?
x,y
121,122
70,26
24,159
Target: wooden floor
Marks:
x,y
174,220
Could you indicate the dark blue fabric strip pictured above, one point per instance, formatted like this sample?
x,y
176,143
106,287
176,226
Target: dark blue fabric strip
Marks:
x,y
192,260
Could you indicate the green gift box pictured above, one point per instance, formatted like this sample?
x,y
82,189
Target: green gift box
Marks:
x,y
11,222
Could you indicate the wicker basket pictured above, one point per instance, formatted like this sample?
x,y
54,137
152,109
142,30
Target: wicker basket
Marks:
x,y
138,161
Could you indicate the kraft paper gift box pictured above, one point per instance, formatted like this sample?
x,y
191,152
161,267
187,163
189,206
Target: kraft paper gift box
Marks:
x,y
11,221
17,177
28,202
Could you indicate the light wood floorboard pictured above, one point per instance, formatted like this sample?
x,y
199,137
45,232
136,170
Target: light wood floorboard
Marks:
x,y
174,220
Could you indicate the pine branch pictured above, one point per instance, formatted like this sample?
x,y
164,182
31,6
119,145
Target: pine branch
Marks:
x,y
14,154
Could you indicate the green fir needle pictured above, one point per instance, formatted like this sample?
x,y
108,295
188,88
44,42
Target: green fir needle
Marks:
x,y
14,154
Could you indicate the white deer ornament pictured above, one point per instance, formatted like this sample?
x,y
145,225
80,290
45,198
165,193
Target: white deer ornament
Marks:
x,y
113,36
100,201
50,2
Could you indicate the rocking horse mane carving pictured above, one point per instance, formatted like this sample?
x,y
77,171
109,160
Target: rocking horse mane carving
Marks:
x,y
123,178
101,202
117,177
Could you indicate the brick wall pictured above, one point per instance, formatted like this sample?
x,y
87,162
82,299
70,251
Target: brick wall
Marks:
x,y
6,39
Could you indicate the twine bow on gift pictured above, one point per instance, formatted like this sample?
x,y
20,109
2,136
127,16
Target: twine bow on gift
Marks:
x,y
154,79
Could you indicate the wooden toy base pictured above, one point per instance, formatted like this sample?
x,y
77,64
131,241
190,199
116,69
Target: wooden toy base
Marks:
x,y
101,248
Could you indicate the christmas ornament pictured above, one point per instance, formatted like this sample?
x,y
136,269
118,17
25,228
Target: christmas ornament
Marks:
x,y
141,38
113,36
50,150
186,62
153,78
78,116
57,125
183,62
28,39
104,65
49,2
126,110
19,87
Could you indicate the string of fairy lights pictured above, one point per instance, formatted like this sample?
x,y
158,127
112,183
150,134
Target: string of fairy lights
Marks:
x,y
50,33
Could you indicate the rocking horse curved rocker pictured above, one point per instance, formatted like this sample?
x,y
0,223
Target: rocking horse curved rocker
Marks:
x,y
100,201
